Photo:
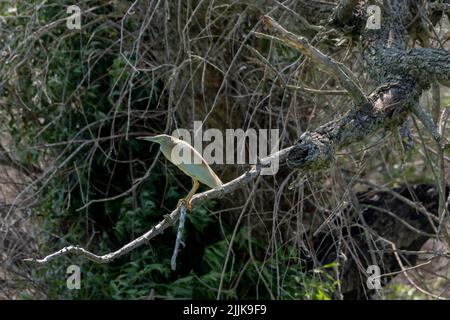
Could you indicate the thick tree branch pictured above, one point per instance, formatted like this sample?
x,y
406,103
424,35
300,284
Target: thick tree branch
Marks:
x,y
427,64
401,76
388,108
440,6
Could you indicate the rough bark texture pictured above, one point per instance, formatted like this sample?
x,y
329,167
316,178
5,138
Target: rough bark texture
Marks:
x,y
399,73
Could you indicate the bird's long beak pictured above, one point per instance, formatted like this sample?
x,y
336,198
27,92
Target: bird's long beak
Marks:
x,y
148,138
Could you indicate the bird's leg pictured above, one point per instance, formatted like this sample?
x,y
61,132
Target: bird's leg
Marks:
x,y
190,195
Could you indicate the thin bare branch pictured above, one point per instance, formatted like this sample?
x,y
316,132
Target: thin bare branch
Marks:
x,y
345,76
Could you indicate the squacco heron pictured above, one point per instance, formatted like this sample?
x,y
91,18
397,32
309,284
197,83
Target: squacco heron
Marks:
x,y
188,160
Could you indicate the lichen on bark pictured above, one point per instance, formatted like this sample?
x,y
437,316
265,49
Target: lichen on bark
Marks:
x,y
400,74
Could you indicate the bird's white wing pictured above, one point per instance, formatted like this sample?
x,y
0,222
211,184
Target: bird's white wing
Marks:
x,y
185,157
202,173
